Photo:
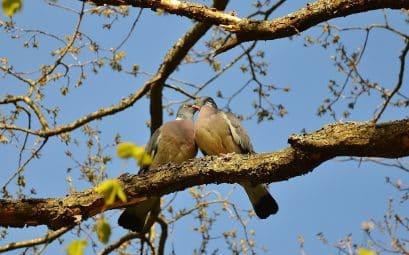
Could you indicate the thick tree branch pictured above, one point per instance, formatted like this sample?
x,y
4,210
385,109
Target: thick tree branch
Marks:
x,y
250,30
386,140
193,11
172,60
303,19
245,29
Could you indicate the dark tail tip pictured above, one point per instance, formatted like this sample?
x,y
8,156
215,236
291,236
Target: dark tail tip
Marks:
x,y
130,221
266,206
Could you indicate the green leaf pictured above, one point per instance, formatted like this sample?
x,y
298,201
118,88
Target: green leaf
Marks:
x,y
121,194
64,90
216,66
103,231
10,7
363,251
127,150
145,160
111,189
76,247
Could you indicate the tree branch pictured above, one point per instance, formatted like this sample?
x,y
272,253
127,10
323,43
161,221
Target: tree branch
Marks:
x,y
47,238
103,112
245,29
110,248
387,140
163,235
251,30
303,19
193,11
172,60
398,85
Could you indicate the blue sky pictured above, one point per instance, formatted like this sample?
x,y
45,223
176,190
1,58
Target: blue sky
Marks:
x,y
334,199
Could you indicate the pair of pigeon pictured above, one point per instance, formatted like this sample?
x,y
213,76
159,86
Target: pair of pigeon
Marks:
x,y
215,132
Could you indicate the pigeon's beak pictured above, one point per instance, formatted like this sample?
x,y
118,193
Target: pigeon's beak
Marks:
x,y
196,107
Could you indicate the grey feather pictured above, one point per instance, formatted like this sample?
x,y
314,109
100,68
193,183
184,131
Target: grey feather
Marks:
x,y
172,142
218,132
238,133
152,147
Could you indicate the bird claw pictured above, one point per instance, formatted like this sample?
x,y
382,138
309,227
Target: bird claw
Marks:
x,y
227,156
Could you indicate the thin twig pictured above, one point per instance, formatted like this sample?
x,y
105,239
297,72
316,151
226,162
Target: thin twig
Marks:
x,y
50,236
110,248
66,50
398,85
180,90
22,167
26,134
184,213
267,12
219,73
244,226
17,128
131,30
16,75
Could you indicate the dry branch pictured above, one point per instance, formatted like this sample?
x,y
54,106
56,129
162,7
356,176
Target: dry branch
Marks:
x,y
245,30
386,140
155,85
250,29
47,238
172,60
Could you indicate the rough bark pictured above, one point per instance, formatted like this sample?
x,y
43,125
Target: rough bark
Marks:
x,y
245,30
250,29
386,140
